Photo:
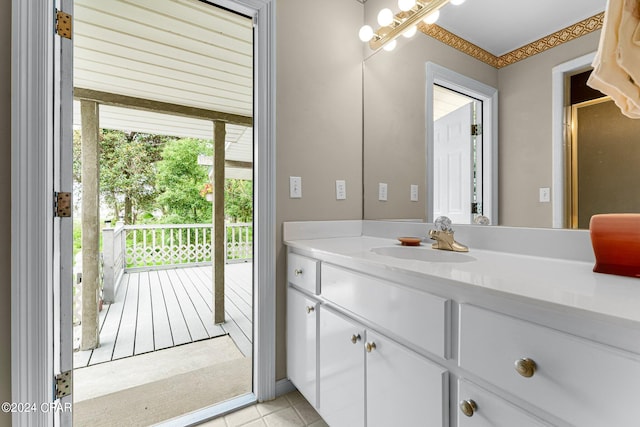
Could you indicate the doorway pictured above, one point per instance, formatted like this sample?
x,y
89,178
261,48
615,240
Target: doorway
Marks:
x,y
163,104
41,119
457,156
604,156
482,177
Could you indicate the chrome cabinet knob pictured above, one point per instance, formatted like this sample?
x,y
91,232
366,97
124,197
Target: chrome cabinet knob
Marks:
x,y
355,338
370,346
297,271
525,367
310,308
468,407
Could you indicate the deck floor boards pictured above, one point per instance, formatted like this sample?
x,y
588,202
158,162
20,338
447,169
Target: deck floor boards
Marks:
x,y
159,309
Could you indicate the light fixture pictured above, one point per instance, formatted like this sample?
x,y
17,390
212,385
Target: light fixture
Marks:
x,y
431,18
410,32
403,22
406,5
456,2
385,17
390,46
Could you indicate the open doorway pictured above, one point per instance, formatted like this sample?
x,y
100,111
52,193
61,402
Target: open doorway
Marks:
x,y
457,175
159,104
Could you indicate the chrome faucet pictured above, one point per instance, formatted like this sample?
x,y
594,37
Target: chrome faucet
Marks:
x,y
443,236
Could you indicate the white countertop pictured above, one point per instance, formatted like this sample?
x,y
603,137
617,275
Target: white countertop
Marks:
x,y
566,283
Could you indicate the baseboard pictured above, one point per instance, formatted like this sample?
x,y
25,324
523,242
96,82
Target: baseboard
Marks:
x,y
284,386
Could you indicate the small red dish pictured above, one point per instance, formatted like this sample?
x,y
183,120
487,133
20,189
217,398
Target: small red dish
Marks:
x,y
410,241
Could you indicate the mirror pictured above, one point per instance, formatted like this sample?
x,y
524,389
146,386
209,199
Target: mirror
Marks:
x,y
395,129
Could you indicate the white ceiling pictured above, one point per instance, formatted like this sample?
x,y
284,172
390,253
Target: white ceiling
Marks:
x,y
500,26
181,52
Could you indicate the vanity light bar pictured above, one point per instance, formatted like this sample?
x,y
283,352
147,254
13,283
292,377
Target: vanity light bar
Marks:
x,y
403,21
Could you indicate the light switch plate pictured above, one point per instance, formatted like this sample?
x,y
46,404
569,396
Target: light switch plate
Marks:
x,y
382,191
545,194
341,189
295,187
414,193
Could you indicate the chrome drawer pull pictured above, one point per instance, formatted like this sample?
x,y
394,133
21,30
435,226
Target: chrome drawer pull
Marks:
x,y
468,407
370,346
310,308
355,338
297,271
526,367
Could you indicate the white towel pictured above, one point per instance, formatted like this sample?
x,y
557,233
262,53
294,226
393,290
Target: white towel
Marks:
x,y
608,75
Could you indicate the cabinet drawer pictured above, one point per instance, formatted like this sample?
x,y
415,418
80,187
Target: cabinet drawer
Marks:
x,y
580,381
418,317
490,410
303,272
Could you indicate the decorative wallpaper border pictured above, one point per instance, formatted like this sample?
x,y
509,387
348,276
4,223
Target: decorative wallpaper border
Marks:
x,y
572,32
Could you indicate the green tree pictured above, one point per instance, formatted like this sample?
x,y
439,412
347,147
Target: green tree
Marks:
x,y
238,200
127,171
180,180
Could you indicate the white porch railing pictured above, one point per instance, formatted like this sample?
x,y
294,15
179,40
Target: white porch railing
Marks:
x,y
158,246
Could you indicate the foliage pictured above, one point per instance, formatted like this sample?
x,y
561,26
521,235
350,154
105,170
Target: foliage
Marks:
x,y
238,203
180,180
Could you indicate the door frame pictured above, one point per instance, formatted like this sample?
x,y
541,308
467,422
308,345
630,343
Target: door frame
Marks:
x,y
437,74
32,161
560,135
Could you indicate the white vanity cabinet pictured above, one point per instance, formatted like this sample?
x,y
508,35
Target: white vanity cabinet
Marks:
x,y
401,387
302,314
579,381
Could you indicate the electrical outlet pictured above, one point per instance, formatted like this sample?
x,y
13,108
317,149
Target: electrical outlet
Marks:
x,y
545,195
295,187
341,189
414,193
382,192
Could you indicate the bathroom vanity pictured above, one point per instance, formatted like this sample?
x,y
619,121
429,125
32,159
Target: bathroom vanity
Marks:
x,y
379,334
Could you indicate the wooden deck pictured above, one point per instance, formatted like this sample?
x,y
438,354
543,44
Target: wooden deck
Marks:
x,y
159,309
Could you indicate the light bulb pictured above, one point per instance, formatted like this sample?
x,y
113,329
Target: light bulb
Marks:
x,y
366,33
385,17
390,46
432,17
406,5
410,32
456,2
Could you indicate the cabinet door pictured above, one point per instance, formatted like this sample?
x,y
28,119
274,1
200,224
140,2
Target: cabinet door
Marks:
x,y
480,408
301,344
341,370
403,388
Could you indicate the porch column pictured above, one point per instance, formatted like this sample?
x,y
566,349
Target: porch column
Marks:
x,y
90,225
219,243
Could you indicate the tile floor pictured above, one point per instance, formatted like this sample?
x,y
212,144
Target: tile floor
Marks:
x,y
290,410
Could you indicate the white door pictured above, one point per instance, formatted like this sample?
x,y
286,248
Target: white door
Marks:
x,y
341,370
453,165
63,226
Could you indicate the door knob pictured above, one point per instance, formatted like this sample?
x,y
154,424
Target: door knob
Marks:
x,y
370,346
297,271
355,338
525,367
310,308
468,407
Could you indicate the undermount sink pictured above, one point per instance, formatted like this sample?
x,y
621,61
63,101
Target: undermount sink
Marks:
x,y
422,253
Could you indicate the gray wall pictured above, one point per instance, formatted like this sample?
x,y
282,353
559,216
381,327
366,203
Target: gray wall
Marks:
x,y
5,214
525,147
319,121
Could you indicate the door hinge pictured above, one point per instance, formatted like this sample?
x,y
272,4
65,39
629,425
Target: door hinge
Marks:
x,y
63,384
62,204
63,24
476,130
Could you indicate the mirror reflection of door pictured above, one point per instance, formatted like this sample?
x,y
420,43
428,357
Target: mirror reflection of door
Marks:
x,y
605,156
457,175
